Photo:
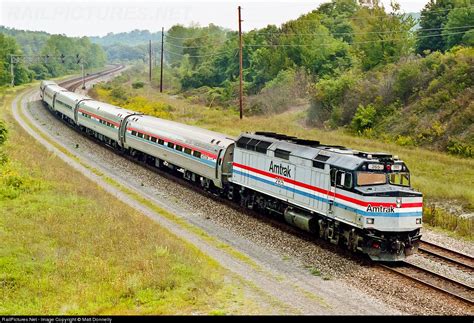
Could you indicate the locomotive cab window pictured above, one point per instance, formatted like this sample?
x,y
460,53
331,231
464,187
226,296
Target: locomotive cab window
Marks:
x,y
401,179
341,178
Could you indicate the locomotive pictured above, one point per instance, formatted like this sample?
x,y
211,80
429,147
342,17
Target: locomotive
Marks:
x,y
360,200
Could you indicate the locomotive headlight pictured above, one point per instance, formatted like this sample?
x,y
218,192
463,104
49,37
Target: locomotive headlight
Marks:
x,y
418,221
399,202
397,167
369,220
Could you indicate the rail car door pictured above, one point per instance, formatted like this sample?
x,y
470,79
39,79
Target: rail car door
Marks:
x,y
331,195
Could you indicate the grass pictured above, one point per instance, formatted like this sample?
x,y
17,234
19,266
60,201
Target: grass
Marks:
x,y
68,247
445,180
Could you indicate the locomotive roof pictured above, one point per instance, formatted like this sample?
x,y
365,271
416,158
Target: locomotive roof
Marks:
x,y
309,149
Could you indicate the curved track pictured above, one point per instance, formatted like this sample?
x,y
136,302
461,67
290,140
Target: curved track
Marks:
x,y
74,83
293,289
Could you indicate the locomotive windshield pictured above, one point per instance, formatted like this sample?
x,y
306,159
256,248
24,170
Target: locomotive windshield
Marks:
x,y
369,178
402,179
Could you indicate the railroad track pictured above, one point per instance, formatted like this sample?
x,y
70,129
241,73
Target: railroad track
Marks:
x,y
434,280
462,261
74,83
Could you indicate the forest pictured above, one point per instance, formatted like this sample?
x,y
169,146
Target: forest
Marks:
x,y
376,73
64,53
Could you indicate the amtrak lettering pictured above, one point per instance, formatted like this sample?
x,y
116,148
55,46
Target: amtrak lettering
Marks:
x,y
384,209
280,169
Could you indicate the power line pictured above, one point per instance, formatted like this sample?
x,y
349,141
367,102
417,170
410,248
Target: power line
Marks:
x,y
209,55
353,43
390,15
196,37
202,46
358,33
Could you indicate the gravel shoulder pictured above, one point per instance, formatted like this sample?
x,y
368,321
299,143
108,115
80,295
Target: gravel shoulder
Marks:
x,y
308,277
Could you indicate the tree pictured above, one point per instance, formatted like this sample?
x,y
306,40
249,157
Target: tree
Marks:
x,y
382,38
433,17
8,46
455,30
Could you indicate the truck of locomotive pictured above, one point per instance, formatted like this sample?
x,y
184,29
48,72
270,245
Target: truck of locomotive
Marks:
x,y
361,200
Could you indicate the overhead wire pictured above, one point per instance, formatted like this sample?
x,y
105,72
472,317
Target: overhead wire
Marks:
x,y
359,33
353,43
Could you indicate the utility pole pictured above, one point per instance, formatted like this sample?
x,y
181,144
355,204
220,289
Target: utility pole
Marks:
x,y
11,71
83,77
161,66
240,66
149,73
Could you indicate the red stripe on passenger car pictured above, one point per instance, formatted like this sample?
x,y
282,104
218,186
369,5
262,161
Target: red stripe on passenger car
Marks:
x,y
99,117
323,191
175,142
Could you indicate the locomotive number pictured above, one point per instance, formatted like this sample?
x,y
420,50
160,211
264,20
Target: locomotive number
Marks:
x,y
279,181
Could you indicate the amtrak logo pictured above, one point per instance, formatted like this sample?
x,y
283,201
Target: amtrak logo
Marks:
x,y
280,169
381,209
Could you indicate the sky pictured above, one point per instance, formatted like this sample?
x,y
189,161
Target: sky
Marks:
x,y
99,17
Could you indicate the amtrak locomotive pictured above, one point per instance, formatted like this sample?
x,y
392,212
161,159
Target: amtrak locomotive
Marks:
x,y
361,200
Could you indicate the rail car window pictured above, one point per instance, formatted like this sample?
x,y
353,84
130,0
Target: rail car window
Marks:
x,y
140,135
161,141
134,133
366,178
147,137
402,179
197,154
179,148
171,145
283,154
187,151
153,139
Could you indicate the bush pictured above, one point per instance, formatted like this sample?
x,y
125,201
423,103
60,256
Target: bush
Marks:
x,y
364,118
138,84
457,147
3,132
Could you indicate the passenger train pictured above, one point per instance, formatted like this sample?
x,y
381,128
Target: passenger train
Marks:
x,y
361,200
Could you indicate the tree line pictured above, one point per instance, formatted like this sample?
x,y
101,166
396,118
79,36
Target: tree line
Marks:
x,y
19,42
361,67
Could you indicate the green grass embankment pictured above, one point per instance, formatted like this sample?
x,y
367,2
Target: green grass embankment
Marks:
x,y
68,247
